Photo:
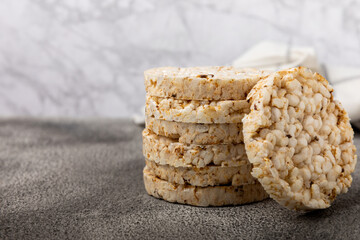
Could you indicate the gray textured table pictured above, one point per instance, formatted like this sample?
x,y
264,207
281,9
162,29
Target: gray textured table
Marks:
x,y
83,179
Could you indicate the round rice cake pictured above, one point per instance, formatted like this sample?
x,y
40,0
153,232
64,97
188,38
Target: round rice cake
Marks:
x,y
197,133
202,196
163,150
201,83
299,140
203,177
195,111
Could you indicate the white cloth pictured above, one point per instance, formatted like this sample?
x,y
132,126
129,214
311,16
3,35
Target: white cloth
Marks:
x,y
276,56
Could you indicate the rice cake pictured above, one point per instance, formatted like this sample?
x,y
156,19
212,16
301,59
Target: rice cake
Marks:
x,y
197,133
202,196
201,83
165,150
203,177
299,140
195,111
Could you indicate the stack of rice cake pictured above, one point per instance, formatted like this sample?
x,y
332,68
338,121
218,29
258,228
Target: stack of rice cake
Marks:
x,y
193,142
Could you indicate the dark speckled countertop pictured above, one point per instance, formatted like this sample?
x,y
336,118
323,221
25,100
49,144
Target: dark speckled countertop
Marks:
x,y
83,180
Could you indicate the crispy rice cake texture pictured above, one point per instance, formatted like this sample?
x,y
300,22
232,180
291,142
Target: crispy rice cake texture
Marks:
x,y
202,196
203,177
197,133
163,150
299,139
201,83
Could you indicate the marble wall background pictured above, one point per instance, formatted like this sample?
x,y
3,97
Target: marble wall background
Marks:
x,y
85,58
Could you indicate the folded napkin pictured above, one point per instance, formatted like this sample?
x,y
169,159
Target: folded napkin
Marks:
x,y
276,56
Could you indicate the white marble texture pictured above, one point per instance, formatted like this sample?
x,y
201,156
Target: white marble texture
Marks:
x,y
85,58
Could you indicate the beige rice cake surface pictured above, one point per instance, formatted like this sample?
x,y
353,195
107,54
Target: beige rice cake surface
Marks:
x,y
163,150
299,140
203,177
197,133
201,83
202,196
195,111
